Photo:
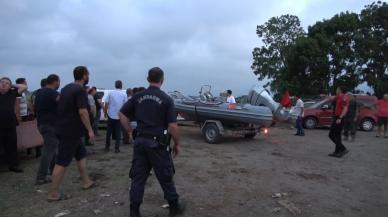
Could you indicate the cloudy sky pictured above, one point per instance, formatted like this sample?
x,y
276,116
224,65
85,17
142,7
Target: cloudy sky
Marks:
x,y
195,41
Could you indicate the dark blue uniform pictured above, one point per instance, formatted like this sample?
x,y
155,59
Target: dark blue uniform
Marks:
x,y
153,110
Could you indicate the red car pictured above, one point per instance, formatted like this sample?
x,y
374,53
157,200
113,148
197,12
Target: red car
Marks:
x,y
320,113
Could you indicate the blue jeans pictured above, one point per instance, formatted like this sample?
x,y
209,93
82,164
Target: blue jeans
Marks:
x,y
49,150
299,126
96,121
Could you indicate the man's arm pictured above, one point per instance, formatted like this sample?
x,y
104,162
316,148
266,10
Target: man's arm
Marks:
x,y
99,101
106,109
17,109
344,111
93,110
125,122
84,115
174,131
21,88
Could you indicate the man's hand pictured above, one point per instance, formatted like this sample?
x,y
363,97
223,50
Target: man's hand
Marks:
x,y
91,136
130,139
338,121
19,119
175,150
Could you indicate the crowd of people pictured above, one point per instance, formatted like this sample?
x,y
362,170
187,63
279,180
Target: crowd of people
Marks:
x,y
68,121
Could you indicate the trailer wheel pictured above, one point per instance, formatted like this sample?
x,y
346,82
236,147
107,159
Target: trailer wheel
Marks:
x,y
249,135
211,133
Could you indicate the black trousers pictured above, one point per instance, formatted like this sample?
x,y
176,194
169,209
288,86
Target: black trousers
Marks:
x,y
350,126
8,139
114,128
336,135
148,154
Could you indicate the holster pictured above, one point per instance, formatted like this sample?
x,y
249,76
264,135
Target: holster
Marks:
x,y
164,139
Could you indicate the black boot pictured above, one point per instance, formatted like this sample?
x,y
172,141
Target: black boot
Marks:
x,y
176,209
134,211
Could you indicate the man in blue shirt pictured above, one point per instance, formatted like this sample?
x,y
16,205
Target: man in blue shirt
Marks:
x,y
46,103
73,118
155,114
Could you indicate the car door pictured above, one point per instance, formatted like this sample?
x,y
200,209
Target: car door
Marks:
x,y
326,112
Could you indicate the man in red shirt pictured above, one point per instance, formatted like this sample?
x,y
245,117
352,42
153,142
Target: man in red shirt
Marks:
x,y
382,114
341,108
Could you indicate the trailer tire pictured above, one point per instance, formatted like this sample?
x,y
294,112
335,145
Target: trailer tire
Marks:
x,y
249,135
211,133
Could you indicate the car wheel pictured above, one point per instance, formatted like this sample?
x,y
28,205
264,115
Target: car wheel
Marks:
x,y
211,133
310,123
367,124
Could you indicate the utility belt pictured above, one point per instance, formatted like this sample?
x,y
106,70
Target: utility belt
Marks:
x,y
164,139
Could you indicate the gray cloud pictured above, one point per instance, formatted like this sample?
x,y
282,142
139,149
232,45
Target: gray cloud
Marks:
x,y
195,41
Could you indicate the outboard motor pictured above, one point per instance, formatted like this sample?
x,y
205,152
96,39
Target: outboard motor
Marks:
x,y
261,97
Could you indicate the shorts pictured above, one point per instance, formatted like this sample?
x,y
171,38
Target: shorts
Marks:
x,y
382,121
69,148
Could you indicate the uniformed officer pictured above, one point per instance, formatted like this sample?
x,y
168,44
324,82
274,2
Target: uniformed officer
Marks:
x,y
155,114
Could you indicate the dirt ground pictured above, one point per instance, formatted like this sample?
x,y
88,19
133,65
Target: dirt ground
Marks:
x,y
238,177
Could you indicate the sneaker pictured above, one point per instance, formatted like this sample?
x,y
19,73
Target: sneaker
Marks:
x,y
15,169
134,211
106,148
342,153
176,209
42,181
117,150
334,154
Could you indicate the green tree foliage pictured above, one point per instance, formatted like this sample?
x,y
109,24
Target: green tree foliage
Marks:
x,y
346,50
277,34
306,68
336,38
372,46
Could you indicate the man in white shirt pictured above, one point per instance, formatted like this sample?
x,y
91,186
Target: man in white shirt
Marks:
x,y
113,103
299,111
23,103
230,98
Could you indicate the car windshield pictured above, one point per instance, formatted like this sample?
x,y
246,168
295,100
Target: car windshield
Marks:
x,y
367,102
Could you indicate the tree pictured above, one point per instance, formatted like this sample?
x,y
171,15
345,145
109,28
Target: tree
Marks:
x,y
307,67
337,39
277,35
372,46
347,49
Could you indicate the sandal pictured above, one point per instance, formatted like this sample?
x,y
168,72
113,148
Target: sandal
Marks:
x,y
61,197
94,185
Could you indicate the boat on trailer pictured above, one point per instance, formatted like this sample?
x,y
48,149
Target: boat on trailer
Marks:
x,y
215,116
